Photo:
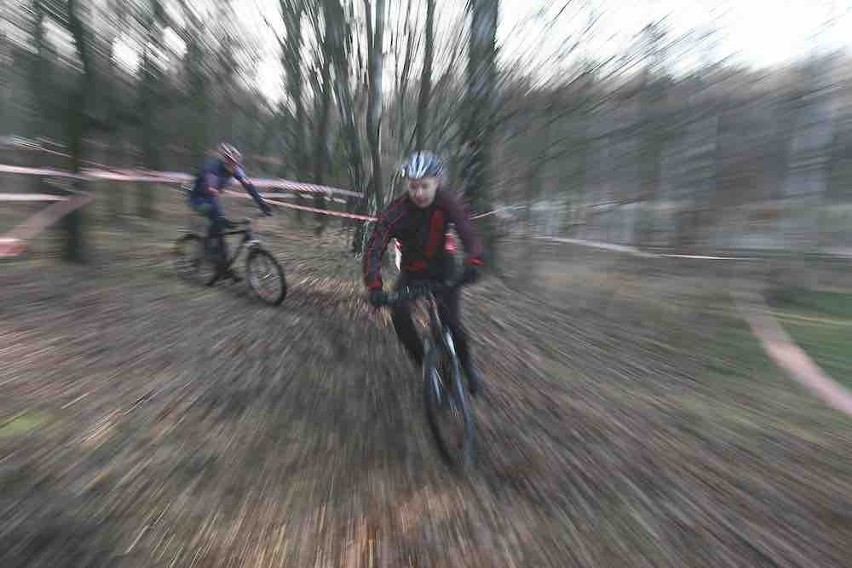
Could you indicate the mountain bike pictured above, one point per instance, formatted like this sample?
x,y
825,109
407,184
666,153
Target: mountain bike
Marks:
x,y
196,260
447,404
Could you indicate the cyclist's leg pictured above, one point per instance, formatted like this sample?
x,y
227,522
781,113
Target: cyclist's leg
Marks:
x,y
449,308
450,312
204,207
404,326
218,223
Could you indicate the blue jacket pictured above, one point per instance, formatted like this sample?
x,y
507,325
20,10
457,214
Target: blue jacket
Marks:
x,y
214,175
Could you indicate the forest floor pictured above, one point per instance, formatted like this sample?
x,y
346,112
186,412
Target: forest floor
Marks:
x,y
630,418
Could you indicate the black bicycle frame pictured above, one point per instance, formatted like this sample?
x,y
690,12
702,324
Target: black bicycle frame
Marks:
x,y
248,237
438,332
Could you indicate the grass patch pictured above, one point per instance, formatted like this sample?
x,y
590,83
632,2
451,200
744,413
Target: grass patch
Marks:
x,y
830,346
821,323
835,305
736,353
21,424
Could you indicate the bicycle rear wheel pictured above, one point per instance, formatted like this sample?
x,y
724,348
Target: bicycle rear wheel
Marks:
x,y
265,277
447,407
191,261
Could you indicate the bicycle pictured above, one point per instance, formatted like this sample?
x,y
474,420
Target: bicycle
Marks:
x,y
446,398
196,260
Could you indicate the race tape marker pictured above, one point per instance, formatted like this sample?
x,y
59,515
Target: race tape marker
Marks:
x,y
24,197
150,176
10,247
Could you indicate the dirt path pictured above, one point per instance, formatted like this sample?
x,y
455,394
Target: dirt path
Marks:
x,y
628,419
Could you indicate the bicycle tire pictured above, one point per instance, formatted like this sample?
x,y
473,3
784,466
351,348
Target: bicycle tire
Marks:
x,y
274,271
458,454
190,260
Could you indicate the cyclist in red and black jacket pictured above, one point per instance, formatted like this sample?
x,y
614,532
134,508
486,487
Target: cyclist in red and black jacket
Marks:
x,y
419,220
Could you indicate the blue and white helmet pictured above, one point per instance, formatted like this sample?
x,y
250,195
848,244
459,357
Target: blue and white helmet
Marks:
x,y
422,164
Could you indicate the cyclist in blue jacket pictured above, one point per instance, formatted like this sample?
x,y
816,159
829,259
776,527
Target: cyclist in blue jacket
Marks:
x,y
210,182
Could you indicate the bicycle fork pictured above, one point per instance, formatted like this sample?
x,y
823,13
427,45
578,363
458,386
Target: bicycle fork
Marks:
x,y
440,377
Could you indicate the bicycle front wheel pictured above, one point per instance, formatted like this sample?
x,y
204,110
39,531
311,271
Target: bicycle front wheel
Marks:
x,y
447,407
265,277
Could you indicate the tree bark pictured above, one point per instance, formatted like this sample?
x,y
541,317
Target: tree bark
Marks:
x,y
480,105
73,222
374,106
426,78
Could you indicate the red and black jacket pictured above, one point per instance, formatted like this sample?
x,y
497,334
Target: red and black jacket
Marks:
x,y
422,235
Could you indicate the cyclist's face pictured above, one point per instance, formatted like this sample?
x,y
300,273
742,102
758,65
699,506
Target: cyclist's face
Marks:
x,y
230,165
422,191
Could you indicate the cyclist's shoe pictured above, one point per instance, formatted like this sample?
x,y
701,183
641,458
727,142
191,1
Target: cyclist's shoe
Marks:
x,y
378,298
474,380
224,272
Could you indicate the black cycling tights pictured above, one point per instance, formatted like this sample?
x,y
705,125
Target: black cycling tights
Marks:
x,y
450,311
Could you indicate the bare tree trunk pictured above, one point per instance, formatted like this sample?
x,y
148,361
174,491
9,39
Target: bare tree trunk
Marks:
x,y
147,96
536,147
650,155
401,77
5,73
198,86
340,57
73,223
40,77
480,112
40,70
809,151
374,199
374,105
426,78
292,59
321,152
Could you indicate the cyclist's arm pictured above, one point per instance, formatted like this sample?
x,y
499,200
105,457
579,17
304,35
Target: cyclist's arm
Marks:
x,y
382,233
464,227
244,180
210,180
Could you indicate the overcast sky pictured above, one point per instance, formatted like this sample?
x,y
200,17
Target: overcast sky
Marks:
x,y
755,32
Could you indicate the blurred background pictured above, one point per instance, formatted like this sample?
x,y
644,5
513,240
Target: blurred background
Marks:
x,y
698,125
659,182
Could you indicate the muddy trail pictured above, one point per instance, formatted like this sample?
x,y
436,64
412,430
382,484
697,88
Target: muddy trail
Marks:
x,y
629,417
